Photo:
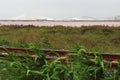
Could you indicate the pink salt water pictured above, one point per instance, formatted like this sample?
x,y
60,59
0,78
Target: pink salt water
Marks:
x,y
63,23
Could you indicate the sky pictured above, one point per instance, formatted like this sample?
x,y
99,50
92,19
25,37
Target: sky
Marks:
x,y
59,9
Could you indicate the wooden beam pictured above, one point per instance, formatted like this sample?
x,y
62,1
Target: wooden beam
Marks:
x,y
107,56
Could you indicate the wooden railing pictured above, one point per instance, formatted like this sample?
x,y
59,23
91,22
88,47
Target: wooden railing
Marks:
x,y
50,54
62,54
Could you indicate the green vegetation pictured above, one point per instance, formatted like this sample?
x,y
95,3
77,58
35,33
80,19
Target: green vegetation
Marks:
x,y
13,67
94,38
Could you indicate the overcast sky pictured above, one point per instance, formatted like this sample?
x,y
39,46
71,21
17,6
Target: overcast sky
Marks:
x,y
59,9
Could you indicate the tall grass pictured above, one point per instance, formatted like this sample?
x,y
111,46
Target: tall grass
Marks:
x,y
102,38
